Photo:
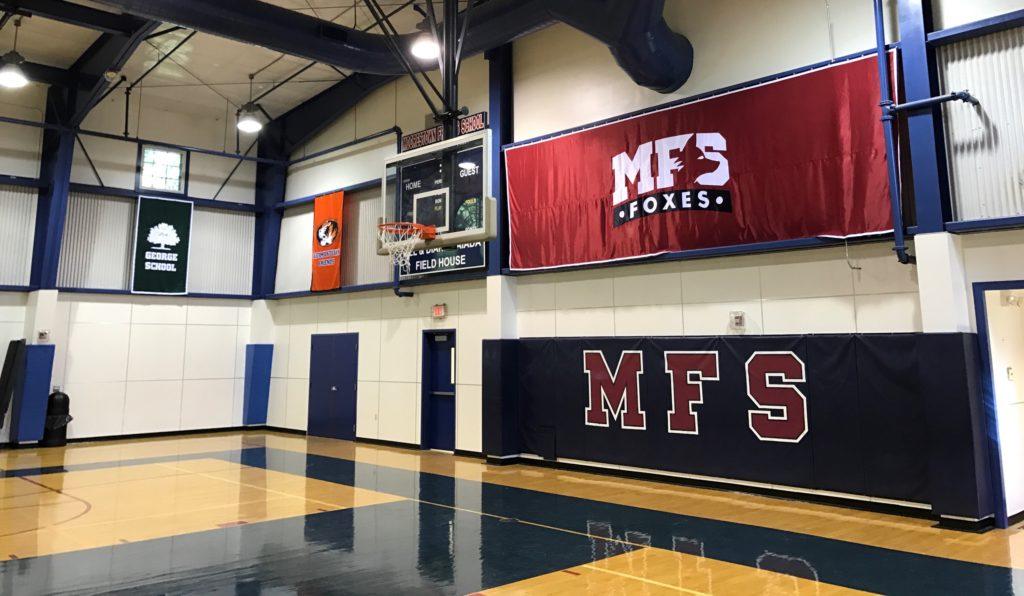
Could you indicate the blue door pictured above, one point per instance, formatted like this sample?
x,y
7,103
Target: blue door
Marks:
x,y
439,390
333,367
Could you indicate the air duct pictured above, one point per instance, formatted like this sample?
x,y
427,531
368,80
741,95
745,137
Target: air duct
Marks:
x,y
635,32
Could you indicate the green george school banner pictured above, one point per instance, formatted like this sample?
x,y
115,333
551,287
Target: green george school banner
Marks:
x,y
162,229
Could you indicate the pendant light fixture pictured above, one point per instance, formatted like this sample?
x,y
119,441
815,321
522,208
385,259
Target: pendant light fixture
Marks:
x,y
11,74
248,119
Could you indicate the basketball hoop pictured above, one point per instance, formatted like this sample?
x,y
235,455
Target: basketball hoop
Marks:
x,y
400,238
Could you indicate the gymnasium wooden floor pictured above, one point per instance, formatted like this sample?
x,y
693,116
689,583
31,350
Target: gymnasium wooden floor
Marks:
x,y
262,512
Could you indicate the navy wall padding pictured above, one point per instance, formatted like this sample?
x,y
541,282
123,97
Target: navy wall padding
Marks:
x,y
895,416
956,474
501,398
256,397
32,388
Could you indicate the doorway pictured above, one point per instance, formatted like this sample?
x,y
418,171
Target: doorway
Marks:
x,y
999,309
333,372
438,382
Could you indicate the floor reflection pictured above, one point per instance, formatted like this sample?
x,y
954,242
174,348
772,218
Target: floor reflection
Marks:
x,y
264,520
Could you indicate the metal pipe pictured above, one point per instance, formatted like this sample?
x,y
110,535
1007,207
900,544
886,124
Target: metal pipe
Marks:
x,y
88,158
964,96
161,60
278,85
895,193
232,172
164,32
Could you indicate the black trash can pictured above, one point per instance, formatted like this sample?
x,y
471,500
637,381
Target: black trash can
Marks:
x,y
58,415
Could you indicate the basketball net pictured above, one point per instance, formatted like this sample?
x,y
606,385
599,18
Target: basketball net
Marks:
x,y
400,240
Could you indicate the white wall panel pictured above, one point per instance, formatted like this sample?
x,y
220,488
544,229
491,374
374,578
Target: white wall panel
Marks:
x,y
17,233
295,251
221,255
953,13
206,174
985,144
129,357
96,252
152,406
21,146
203,404
348,167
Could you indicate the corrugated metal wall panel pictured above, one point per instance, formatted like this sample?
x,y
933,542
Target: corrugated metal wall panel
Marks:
x,y
221,255
985,144
96,252
17,233
360,262
295,251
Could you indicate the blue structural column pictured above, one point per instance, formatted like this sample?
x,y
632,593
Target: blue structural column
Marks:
x,y
270,188
499,64
924,126
55,172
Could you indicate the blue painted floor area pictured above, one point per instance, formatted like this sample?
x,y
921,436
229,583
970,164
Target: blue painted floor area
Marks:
x,y
458,536
395,548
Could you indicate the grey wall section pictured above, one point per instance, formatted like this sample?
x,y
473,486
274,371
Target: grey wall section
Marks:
x,y
361,263
220,259
17,223
986,143
96,252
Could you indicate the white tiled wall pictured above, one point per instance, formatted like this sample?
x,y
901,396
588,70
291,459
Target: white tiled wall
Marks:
x,y
12,326
139,365
812,291
390,338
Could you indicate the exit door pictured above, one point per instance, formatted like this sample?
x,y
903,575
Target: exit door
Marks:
x,y
439,390
333,367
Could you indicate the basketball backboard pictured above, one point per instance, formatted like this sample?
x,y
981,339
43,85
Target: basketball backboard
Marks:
x,y
446,185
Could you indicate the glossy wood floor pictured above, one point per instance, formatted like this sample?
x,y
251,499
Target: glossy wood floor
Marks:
x,y
117,494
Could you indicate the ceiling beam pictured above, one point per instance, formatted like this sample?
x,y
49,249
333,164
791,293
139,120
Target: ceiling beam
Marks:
x,y
272,27
51,75
293,128
108,53
74,14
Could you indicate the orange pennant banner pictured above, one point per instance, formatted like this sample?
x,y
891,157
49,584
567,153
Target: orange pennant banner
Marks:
x,y
327,210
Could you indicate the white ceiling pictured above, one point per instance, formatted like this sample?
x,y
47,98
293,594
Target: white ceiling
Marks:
x,y
210,72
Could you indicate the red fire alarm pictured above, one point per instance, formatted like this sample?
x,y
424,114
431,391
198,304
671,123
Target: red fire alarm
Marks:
x,y
440,311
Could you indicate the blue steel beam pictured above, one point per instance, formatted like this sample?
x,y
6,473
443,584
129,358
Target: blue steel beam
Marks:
x,y
924,125
499,65
57,154
293,128
74,14
108,53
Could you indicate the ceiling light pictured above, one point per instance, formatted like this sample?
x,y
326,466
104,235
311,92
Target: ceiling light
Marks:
x,y
247,120
425,48
11,75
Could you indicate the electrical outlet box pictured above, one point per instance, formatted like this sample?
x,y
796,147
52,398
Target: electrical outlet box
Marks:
x,y
43,336
738,320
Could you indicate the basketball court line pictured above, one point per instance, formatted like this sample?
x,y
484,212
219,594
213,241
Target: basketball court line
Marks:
x,y
295,462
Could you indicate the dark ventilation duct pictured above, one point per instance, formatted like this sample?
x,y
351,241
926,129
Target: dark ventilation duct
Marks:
x,y
635,31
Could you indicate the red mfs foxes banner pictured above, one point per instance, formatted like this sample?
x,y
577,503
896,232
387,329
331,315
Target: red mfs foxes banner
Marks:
x,y
800,157
327,242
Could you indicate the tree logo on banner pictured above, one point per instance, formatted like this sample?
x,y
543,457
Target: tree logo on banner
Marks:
x,y
327,233
163,236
